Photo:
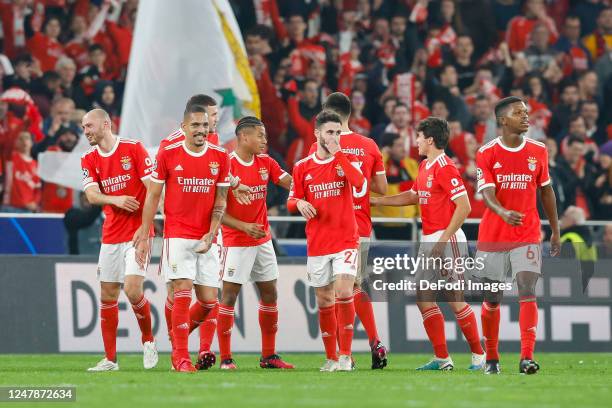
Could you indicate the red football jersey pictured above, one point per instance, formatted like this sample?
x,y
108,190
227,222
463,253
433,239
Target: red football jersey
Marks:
x,y
323,184
122,171
365,155
179,136
191,183
256,175
56,198
438,184
22,183
516,174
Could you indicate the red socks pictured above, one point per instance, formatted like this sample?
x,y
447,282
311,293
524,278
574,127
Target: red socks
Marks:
x,y
168,313
268,323
346,321
467,321
209,326
528,322
328,326
363,309
490,329
433,320
142,311
109,319
180,323
225,322
198,312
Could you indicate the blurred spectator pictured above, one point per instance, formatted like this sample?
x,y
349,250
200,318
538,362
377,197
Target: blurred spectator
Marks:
x,y
520,27
22,184
401,173
56,198
24,75
570,104
98,70
576,57
463,61
600,39
588,86
66,68
577,241
540,53
577,175
602,200
19,20
359,123
45,47
594,131
400,124
446,89
483,124
577,129
45,89
388,107
78,222
555,176
61,113
104,97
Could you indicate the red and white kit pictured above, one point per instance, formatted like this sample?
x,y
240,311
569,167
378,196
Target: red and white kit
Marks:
x,y
515,174
191,181
438,184
332,236
244,257
122,171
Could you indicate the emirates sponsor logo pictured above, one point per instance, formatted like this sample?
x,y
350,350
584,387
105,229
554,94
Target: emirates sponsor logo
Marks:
x,y
196,184
114,184
326,190
514,181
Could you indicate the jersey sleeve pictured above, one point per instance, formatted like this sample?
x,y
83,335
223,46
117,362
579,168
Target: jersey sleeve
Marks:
x,y
276,172
451,182
159,172
379,165
144,165
297,188
224,171
543,176
483,172
90,176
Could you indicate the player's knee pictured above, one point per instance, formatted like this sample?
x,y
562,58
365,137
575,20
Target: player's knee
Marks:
x,y
229,298
133,293
269,296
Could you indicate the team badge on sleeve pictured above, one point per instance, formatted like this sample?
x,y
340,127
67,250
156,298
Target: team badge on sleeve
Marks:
x,y
339,170
214,168
126,163
532,161
263,172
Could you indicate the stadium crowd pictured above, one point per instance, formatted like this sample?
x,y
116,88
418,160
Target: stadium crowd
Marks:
x,y
399,60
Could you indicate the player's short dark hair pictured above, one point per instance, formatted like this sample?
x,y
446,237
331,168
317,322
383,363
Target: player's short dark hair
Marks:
x,y
247,122
388,138
501,108
194,109
339,103
202,100
436,128
95,47
326,116
573,139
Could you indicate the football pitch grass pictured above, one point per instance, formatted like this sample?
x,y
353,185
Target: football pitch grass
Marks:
x,y
565,380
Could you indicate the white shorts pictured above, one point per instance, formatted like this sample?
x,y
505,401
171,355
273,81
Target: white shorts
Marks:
x,y
362,260
498,265
116,261
254,263
456,248
182,262
323,270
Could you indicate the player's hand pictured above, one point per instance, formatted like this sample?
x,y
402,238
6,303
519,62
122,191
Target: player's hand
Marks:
x,y
253,230
242,194
142,252
127,203
205,243
139,235
555,244
333,145
438,250
306,209
511,217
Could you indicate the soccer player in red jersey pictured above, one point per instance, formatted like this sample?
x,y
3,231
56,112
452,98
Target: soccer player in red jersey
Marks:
x,y
195,175
116,176
202,315
322,193
510,171
247,252
444,205
368,159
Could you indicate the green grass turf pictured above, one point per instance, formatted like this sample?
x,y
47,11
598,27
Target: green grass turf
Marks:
x,y
565,380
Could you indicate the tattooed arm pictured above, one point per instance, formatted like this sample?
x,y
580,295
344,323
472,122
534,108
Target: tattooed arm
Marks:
x,y
215,220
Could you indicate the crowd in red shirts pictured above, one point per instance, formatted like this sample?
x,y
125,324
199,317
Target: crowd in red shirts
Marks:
x,y
398,60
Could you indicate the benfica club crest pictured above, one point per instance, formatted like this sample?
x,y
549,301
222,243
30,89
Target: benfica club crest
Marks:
x,y
263,173
126,163
214,168
429,180
339,170
531,163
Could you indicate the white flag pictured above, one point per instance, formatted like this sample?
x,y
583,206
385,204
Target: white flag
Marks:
x,y
180,48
